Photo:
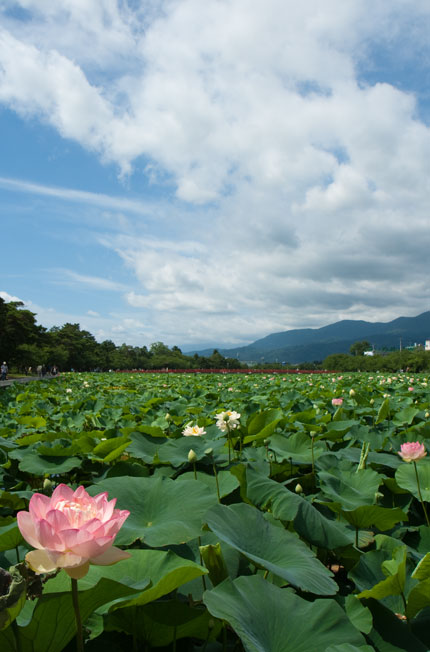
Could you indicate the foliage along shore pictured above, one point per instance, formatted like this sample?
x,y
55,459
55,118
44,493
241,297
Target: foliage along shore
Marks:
x,y
24,343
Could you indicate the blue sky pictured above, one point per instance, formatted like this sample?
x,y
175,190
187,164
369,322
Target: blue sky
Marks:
x,y
206,173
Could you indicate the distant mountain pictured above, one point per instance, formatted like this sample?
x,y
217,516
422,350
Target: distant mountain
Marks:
x,y
309,344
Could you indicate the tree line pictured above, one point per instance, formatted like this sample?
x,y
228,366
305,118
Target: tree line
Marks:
x,y
24,344
414,361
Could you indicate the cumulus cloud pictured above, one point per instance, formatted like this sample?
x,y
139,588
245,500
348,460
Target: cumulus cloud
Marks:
x,y
9,297
301,177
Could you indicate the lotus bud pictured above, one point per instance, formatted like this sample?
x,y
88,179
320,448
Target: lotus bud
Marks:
x,y
352,392
192,457
298,489
372,400
427,415
168,417
47,484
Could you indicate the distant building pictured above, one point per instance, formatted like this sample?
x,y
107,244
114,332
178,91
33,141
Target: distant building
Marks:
x,y
427,345
369,353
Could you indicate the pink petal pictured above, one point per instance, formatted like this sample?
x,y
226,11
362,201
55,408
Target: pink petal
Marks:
x,y
73,537
101,499
110,556
48,537
102,532
27,529
40,562
57,519
93,548
62,492
115,523
39,505
92,526
80,494
106,508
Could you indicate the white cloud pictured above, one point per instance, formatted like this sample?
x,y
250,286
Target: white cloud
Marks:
x,y
9,297
92,282
307,186
79,196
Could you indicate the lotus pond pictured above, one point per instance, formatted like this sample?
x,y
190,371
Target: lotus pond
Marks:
x,y
288,524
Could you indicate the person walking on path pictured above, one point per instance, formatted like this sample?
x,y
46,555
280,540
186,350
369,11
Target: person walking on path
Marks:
x,y
4,369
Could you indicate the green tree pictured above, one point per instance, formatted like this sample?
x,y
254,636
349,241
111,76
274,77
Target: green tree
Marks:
x,y
81,346
105,355
17,327
30,355
358,348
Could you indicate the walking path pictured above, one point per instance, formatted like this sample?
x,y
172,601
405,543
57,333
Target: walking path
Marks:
x,y
25,379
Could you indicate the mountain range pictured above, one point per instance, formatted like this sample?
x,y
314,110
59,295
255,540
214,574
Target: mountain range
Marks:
x,y
310,344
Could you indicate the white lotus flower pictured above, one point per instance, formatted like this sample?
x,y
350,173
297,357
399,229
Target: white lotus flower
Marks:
x,y
193,431
227,420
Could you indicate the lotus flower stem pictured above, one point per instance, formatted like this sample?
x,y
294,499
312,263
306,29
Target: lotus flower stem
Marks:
x,y
15,630
207,640
224,636
312,454
405,606
420,495
75,600
216,481
202,563
266,445
229,444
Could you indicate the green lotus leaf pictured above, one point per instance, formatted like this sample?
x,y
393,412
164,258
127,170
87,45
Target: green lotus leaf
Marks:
x,y
288,506
269,618
296,447
162,511
406,478
271,547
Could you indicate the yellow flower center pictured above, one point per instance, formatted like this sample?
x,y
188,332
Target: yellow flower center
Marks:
x,y
77,513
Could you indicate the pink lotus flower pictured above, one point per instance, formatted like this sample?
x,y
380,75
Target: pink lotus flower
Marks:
x,y
412,451
70,530
336,401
